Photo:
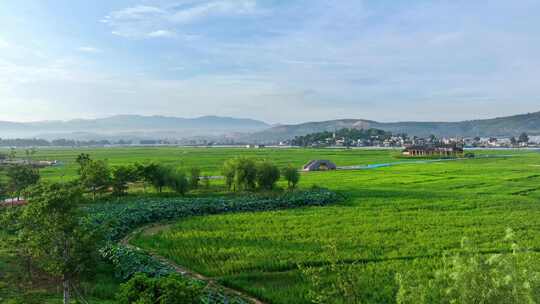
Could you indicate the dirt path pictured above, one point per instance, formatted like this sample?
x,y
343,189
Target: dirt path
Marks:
x,y
155,228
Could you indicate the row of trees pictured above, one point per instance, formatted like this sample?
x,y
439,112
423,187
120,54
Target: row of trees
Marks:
x,y
246,174
96,176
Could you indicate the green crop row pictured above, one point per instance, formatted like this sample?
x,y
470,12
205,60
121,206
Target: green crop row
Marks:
x,y
122,218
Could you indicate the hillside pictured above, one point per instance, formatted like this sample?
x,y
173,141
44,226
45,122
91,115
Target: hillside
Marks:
x,y
502,126
132,126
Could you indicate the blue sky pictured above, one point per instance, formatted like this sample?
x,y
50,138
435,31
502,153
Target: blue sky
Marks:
x,y
275,60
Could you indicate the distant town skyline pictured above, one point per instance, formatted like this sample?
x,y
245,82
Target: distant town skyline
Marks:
x,y
271,60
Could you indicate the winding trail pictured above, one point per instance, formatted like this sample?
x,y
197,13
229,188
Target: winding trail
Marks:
x,y
154,228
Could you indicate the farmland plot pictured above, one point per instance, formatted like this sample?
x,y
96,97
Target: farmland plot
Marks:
x,y
399,219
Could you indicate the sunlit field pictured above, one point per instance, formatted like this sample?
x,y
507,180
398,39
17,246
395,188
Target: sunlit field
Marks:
x,y
398,219
393,220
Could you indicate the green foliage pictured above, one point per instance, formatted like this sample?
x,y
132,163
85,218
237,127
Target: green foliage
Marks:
x,y
244,174
172,289
120,218
178,181
350,135
155,174
121,176
473,277
53,232
95,176
267,175
128,261
82,160
194,177
292,176
21,177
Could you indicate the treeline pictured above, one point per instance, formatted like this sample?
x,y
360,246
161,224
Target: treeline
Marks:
x,y
349,136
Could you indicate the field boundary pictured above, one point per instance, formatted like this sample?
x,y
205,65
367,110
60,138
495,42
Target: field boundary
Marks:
x,y
184,271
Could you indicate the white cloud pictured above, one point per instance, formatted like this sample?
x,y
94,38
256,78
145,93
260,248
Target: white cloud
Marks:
x,y
148,21
89,49
161,34
215,8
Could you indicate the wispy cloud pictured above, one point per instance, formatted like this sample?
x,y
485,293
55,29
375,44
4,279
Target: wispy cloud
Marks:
x,y
161,34
143,21
89,49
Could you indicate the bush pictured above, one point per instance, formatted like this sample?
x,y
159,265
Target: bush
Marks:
x,y
172,289
240,173
178,181
473,277
121,176
267,175
292,176
194,178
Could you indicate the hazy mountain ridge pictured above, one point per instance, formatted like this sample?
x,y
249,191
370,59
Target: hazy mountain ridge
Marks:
x,y
501,126
134,125
250,130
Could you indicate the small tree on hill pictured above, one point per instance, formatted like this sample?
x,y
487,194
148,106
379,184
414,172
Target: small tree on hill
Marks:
x,y
292,176
95,176
194,177
523,138
121,176
267,175
20,177
51,229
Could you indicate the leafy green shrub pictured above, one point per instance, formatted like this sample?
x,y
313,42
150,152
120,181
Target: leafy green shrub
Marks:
x,y
267,175
172,289
178,181
292,176
121,176
194,177
128,261
472,277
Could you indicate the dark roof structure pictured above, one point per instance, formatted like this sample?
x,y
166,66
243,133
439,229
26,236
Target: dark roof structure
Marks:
x,y
319,165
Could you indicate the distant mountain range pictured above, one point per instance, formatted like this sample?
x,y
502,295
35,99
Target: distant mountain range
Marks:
x,y
132,126
250,130
503,126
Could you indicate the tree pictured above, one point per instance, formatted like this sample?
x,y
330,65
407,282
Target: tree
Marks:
x,y
245,174
229,171
267,174
194,177
20,177
52,229
83,159
172,289
292,176
158,175
523,138
513,141
178,181
96,176
121,176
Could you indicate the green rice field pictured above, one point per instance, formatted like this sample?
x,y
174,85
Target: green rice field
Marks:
x,y
394,220
398,219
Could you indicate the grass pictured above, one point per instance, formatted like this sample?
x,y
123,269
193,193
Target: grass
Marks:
x,y
396,219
